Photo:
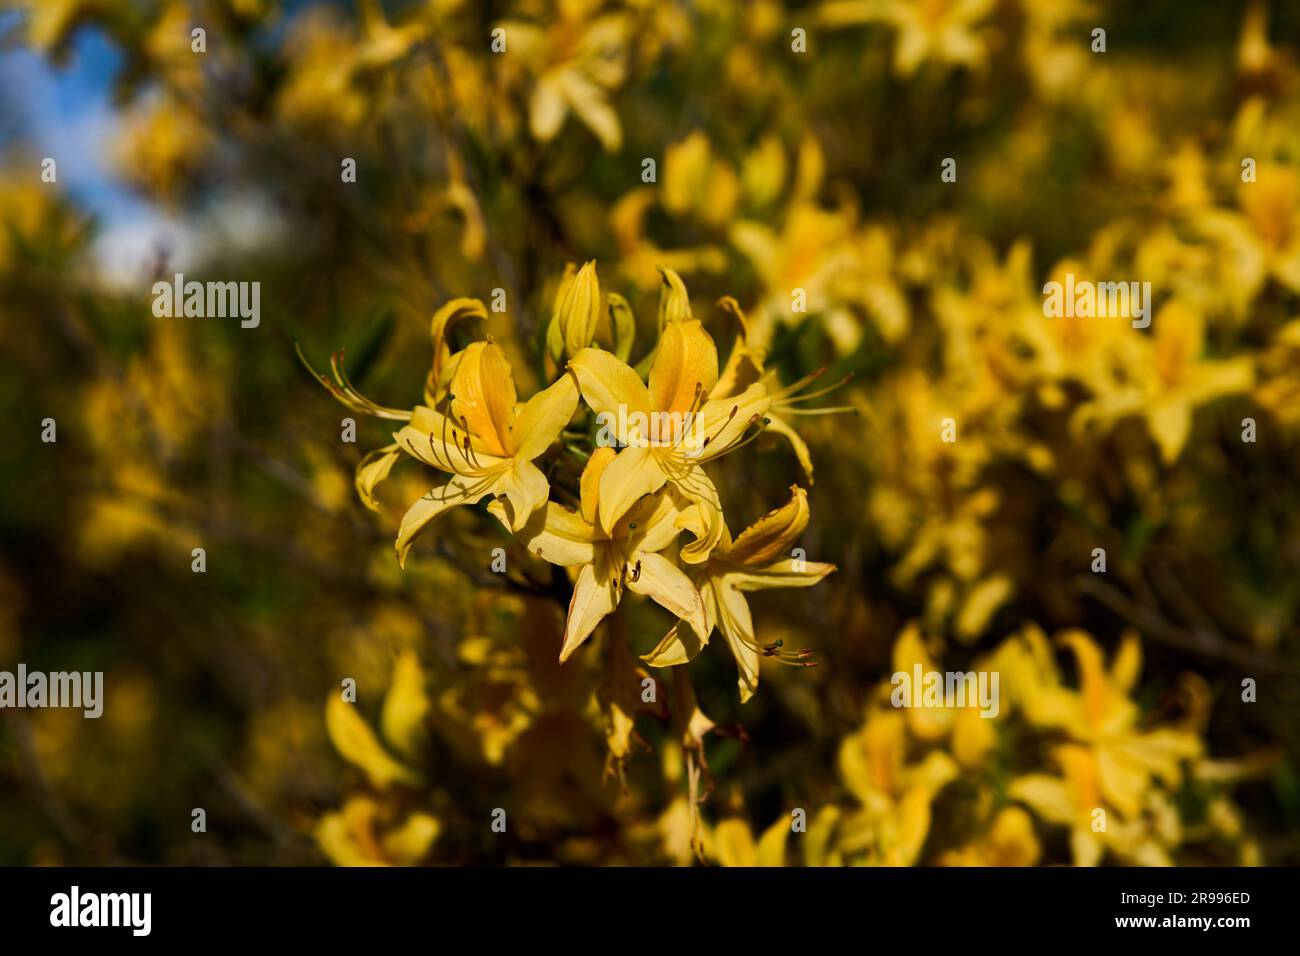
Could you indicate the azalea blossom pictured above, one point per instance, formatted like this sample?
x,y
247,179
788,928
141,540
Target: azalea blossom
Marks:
x,y
683,373
626,556
485,441
759,558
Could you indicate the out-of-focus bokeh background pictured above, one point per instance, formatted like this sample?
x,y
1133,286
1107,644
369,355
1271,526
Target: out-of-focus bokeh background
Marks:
x,y
797,148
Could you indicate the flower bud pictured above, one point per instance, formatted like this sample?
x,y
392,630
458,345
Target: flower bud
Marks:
x,y
577,310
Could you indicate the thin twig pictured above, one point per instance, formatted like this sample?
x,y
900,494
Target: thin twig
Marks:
x,y
1195,640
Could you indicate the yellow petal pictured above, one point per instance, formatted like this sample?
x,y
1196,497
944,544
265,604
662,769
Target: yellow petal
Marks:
x,y
1170,422
458,491
443,319
372,470
1086,848
759,243
685,368
771,845
679,646
542,418
1122,783
554,332
980,603
772,536
686,173
554,533
973,736
652,523
695,486
1211,380
525,489
340,844
357,743
589,483
589,103
913,824
1046,795
1127,663
633,472
737,626
410,843
608,385
674,302
1012,838
547,109
405,706
663,582
779,574
733,843
744,367
1099,699
436,440
624,325
483,395
593,598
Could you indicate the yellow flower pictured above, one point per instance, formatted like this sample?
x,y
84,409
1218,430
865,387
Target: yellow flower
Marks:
x,y
402,722
1263,239
1109,762
733,843
485,441
1074,800
323,87
698,183
1077,347
1173,380
669,429
759,558
1279,388
625,555
891,827
370,831
1010,841
161,146
971,733
812,254
364,833
574,63
939,30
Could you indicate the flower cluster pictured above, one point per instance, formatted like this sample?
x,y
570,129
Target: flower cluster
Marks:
x,y
643,445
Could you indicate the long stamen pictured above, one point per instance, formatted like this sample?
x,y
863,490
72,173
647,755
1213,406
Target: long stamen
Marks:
x,y
832,410
697,402
444,439
437,455
797,385
465,424
808,396
468,489
455,443
774,650
709,438
740,441
345,392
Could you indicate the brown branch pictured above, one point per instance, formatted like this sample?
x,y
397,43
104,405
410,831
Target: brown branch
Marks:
x,y
1195,640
